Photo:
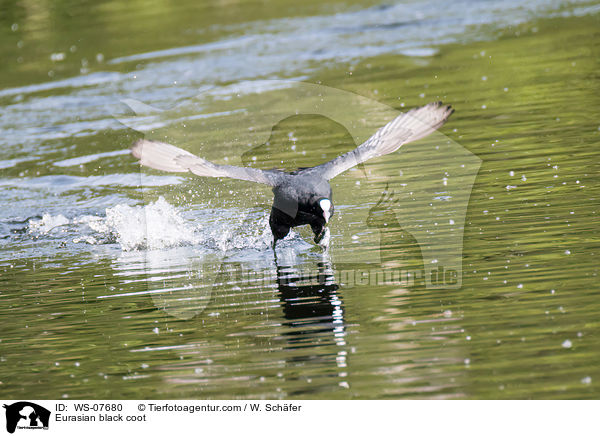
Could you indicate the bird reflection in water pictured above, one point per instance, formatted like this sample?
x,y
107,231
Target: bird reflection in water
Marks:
x,y
313,310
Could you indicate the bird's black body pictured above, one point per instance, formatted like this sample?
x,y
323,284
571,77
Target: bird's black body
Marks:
x,y
296,203
303,197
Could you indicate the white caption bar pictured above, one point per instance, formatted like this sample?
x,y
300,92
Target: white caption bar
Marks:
x,y
76,417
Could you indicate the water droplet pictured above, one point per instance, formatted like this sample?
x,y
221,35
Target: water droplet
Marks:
x,y
57,57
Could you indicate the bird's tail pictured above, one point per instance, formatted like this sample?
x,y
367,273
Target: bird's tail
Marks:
x,y
160,155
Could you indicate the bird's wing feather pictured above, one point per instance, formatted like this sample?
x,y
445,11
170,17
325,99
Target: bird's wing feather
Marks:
x,y
407,127
167,157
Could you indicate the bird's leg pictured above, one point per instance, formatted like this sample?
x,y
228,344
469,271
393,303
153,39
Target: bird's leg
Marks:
x,y
322,235
324,238
279,232
275,256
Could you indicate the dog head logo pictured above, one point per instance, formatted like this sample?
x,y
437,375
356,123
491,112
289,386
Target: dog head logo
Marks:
x,y
24,414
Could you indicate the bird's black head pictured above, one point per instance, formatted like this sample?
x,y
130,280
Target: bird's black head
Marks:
x,y
322,207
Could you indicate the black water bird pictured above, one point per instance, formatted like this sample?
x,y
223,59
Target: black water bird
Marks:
x,y
304,196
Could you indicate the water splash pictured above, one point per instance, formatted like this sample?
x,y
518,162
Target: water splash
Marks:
x,y
47,223
155,226
160,225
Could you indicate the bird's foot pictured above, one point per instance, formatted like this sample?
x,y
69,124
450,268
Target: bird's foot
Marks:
x,y
323,238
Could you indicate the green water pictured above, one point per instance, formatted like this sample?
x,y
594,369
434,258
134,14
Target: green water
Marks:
x,y
85,315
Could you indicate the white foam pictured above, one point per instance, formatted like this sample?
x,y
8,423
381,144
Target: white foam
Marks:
x,y
155,226
47,223
160,225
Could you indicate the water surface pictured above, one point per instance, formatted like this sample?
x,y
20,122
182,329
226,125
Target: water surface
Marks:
x,y
120,283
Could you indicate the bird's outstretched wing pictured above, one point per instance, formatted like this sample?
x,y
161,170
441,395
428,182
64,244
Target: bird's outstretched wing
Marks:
x,y
167,157
407,127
